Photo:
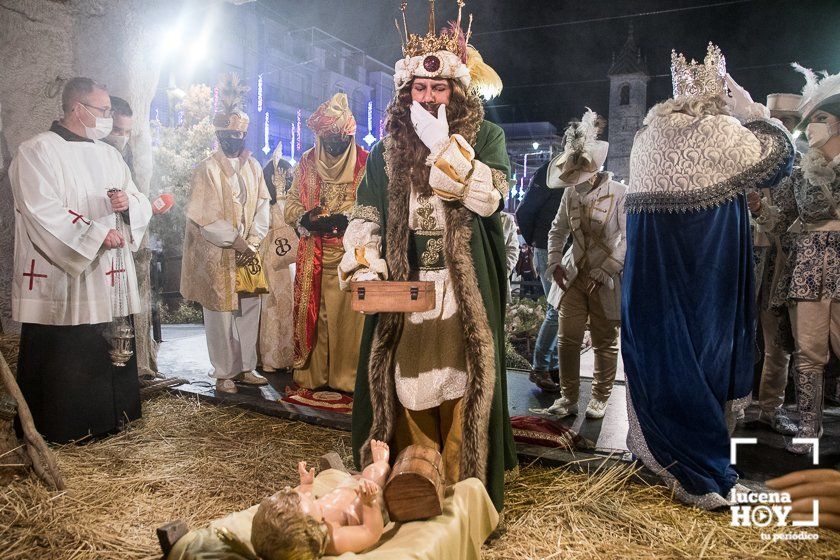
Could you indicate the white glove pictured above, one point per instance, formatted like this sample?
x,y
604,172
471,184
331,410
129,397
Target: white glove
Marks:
x,y
433,132
741,104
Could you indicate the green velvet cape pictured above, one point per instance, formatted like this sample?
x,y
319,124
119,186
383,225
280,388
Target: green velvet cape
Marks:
x,y
487,251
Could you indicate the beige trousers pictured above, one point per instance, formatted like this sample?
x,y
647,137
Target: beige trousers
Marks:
x,y
771,390
338,334
575,308
816,330
439,427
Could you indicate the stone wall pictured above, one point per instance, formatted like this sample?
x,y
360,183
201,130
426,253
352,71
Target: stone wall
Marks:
x,y
35,47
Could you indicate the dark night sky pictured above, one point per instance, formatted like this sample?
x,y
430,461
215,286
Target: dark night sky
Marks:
x,y
759,38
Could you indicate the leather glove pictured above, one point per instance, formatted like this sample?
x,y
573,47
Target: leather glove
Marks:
x,y
240,245
337,223
245,257
433,132
311,222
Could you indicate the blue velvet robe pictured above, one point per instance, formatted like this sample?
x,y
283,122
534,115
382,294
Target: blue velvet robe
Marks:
x,y
688,329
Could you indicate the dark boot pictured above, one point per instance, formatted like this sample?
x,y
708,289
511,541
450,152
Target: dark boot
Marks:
x,y
809,402
542,380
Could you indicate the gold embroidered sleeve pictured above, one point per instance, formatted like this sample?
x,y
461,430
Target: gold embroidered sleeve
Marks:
x,y
294,207
366,213
500,182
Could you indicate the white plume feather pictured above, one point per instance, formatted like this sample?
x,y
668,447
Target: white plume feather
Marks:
x,y
811,80
580,136
589,118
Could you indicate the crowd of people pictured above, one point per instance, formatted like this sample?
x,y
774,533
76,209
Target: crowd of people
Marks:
x,y
725,222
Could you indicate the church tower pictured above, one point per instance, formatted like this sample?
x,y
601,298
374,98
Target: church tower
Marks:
x,y
628,104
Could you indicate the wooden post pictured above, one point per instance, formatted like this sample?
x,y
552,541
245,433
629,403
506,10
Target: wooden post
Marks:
x,y
43,462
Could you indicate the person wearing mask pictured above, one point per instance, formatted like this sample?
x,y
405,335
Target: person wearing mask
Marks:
x,y
809,206
121,131
227,218
588,274
74,270
327,332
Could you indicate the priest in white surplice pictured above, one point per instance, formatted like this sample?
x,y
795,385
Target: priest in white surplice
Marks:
x,y
73,269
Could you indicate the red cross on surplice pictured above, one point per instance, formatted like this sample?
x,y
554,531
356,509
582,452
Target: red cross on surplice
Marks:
x,y
32,275
113,272
78,217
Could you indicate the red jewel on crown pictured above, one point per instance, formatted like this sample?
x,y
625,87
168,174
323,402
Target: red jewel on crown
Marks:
x,y
431,63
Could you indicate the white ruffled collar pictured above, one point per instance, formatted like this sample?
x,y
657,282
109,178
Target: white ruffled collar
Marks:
x,y
817,170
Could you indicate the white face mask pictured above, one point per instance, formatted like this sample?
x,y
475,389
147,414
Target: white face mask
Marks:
x,y
101,130
818,134
119,142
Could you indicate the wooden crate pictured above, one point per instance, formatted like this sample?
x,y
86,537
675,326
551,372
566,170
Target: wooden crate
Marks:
x,y
379,296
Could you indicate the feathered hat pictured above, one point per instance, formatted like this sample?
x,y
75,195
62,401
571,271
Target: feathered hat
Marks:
x,y
448,55
231,114
817,92
583,154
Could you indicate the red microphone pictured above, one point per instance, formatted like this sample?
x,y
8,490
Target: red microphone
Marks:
x,y
163,203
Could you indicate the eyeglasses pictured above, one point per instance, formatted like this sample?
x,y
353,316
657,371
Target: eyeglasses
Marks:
x,y
106,111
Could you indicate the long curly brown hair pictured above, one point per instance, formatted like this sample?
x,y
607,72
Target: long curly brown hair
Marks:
x,y
464,112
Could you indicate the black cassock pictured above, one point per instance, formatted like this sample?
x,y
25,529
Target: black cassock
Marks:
x,y
70,384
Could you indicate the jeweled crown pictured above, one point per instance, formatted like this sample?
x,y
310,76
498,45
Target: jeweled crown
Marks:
x,y
699,80
451,39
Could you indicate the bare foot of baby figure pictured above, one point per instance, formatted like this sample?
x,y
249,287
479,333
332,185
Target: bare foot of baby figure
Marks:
x,y
294,524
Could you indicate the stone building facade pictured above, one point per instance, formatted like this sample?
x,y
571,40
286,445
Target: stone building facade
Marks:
x,y
297,69
628,105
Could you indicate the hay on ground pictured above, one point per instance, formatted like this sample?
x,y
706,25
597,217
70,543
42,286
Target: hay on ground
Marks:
x,y
561,513
197,462
185,460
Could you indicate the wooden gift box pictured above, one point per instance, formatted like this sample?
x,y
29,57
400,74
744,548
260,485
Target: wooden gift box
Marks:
x,y
415,488
380,296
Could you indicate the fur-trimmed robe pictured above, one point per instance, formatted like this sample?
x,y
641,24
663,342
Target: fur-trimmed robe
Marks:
x,y
474,251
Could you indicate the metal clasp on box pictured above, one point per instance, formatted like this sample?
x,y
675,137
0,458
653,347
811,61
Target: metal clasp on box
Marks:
x,y
361,292
415,293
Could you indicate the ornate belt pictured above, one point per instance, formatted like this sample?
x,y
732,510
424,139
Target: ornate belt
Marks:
x,y
425,250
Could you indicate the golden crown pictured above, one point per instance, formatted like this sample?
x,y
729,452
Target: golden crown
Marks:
x,y
699,80
452,39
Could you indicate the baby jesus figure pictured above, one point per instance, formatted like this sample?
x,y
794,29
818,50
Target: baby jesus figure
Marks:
x,y
294,524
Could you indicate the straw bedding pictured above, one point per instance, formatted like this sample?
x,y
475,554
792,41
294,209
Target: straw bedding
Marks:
x,y
195,461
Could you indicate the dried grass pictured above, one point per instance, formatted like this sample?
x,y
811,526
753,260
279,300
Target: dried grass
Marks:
x,y
560,513
194,461
185,460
